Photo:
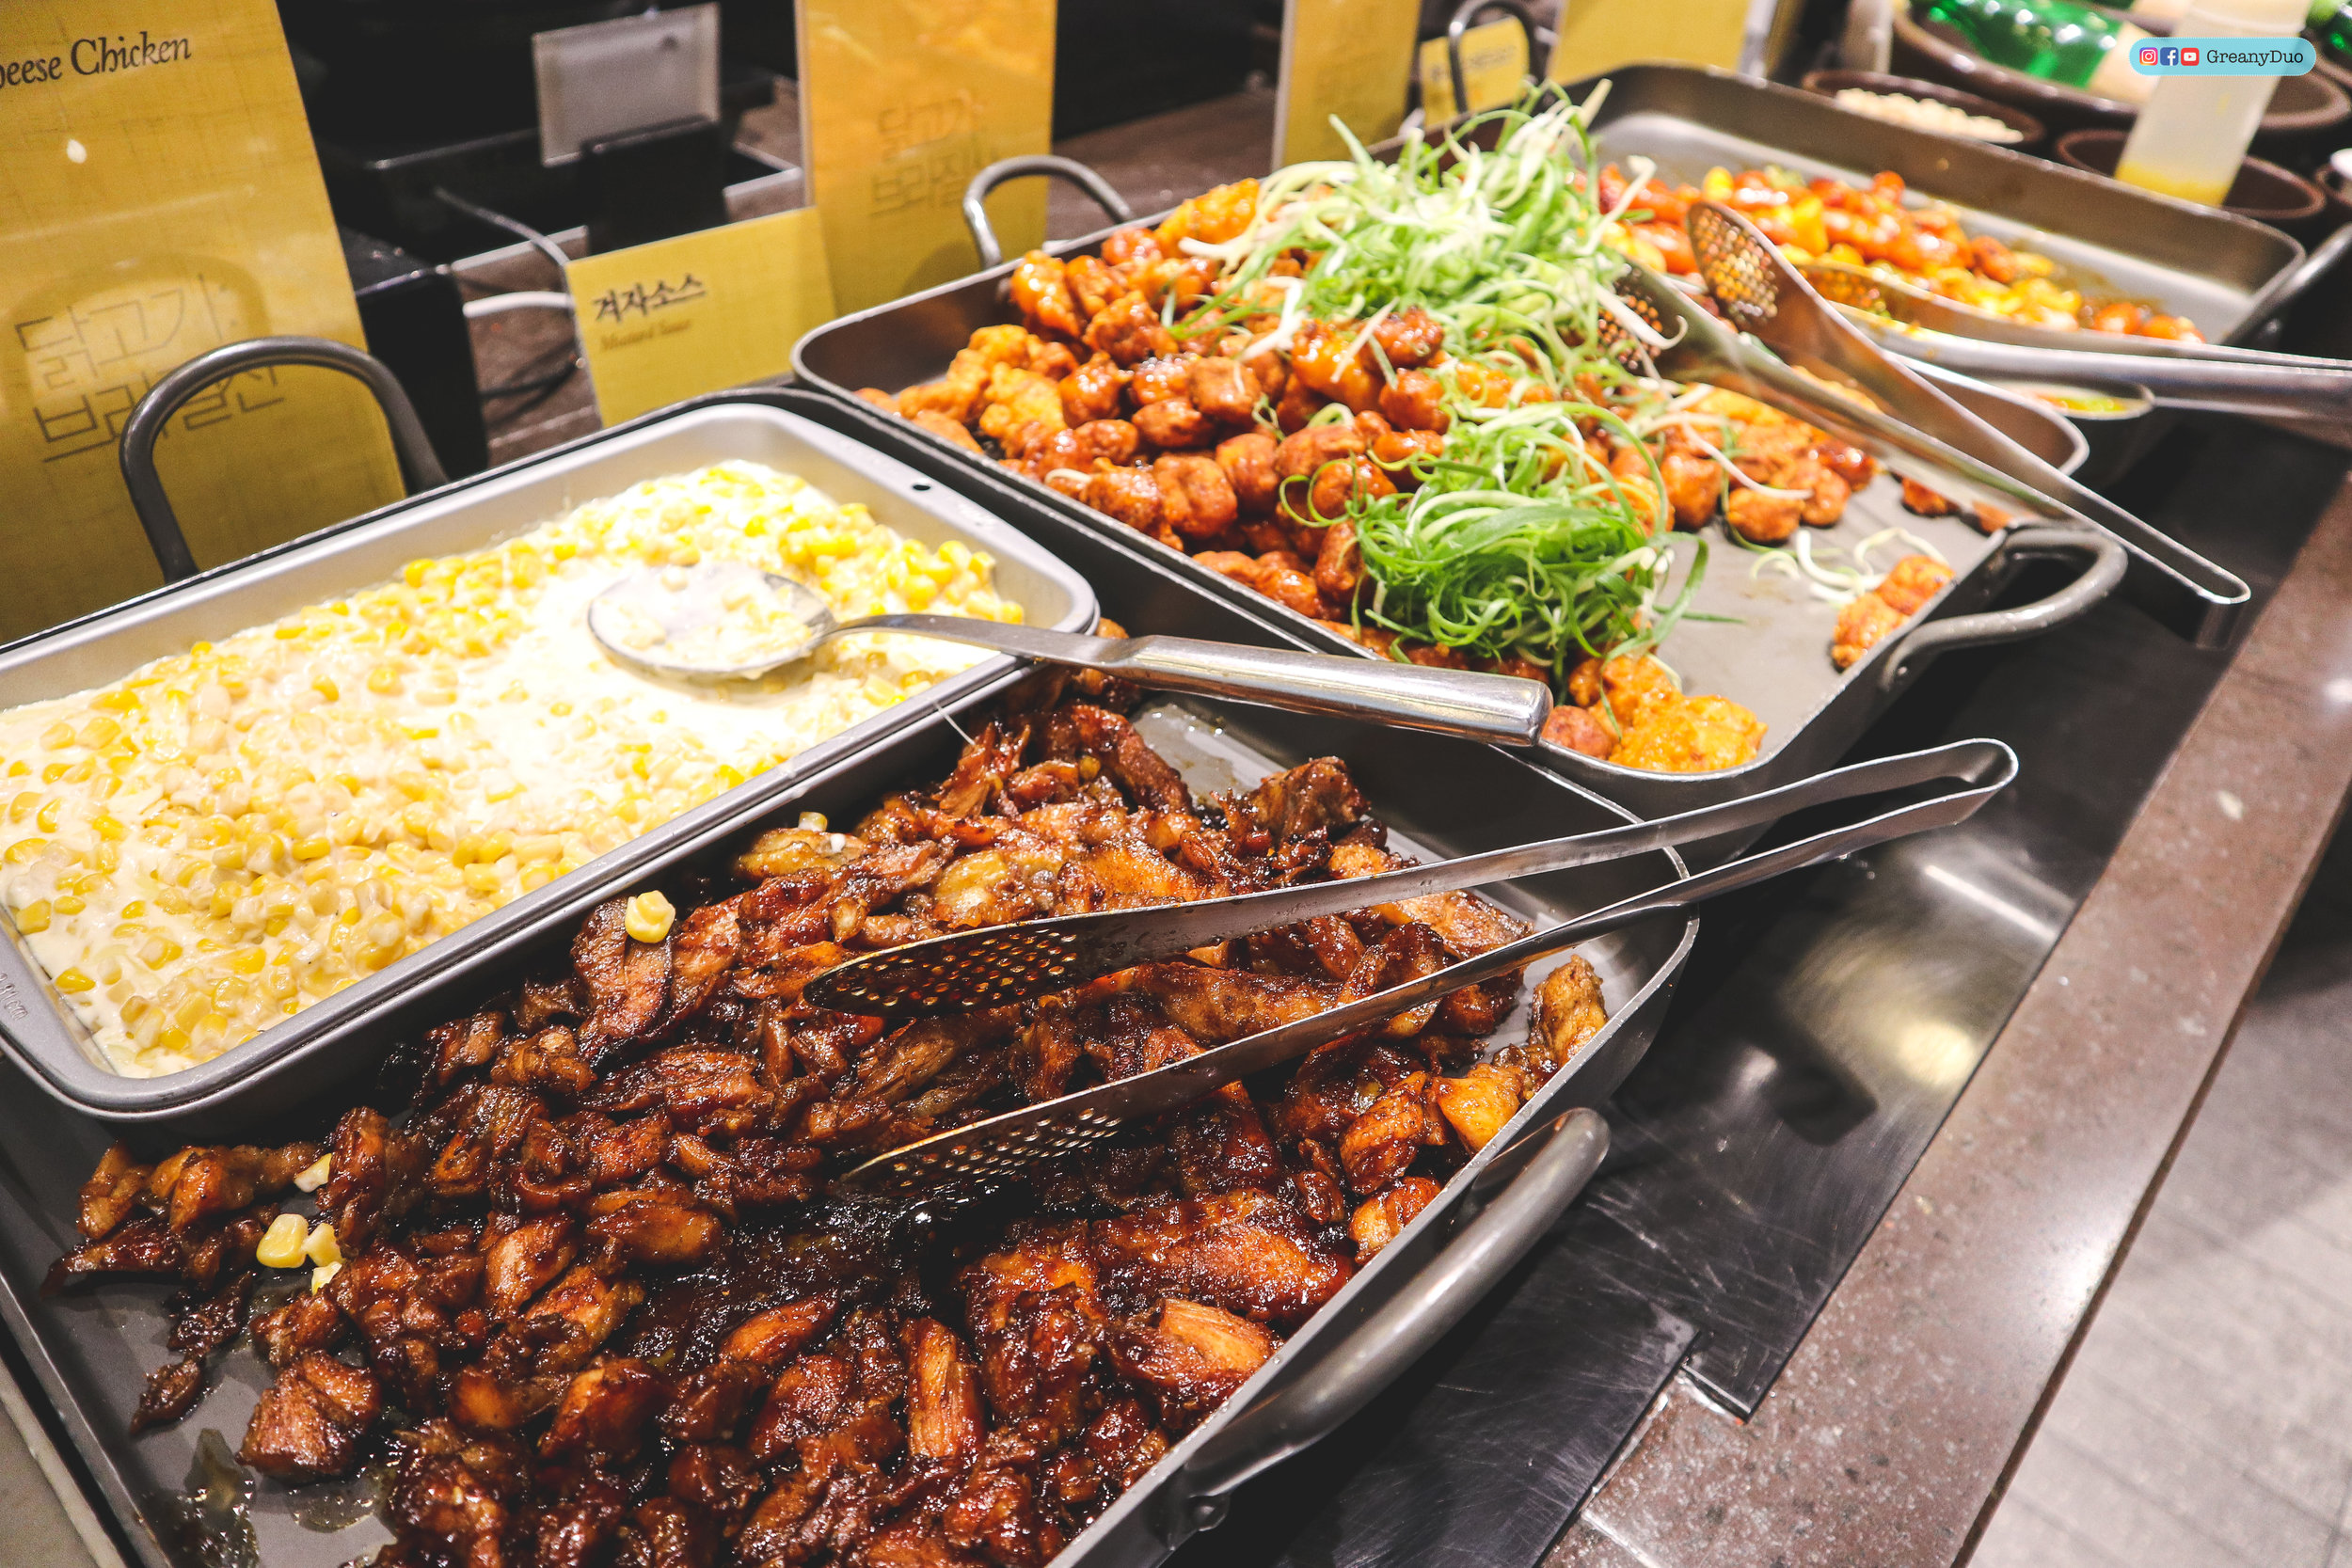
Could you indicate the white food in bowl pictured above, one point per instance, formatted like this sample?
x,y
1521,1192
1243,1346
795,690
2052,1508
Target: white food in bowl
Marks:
x,y
1926,114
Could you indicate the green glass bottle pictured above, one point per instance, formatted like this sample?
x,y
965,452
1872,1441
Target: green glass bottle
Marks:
x,y
2080,46
2331,23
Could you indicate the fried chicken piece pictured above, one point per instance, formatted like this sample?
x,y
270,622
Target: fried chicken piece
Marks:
x,y
1092,392
1377,1220
1863,623
144,1245
1578,730
945,1425
1192,1356
465,1045
1380,1144
604,1412
172,1390
1912,582
1223,389
302,1324
1568,1012
1129,495
1248,461
658,1224
1010,880
1918,498
1468,925
1690,735
196,1182
523,1257
1129,330
628,980
1246,1252
308,1423
1478,1103
1318,795
1760,518
1216,1007
1195,497
112,1192
1041,292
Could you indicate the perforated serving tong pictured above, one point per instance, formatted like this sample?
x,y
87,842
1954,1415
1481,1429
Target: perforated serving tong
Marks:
x,y
1002,1148
1926,435
2201,376
1762,294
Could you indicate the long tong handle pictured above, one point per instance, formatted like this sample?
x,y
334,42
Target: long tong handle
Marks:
x,y
1464,703
2273,384
2173,583
1014,1139
997,965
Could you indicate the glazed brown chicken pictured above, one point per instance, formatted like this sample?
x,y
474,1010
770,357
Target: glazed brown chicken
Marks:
x,y
593,1307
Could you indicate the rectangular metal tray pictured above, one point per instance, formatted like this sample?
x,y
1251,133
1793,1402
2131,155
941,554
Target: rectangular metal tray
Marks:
x,y
89,1351
1775,661
310,1050
2202,262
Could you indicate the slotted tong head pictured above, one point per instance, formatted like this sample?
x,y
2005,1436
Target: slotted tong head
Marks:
x,y
1920,431
1005,963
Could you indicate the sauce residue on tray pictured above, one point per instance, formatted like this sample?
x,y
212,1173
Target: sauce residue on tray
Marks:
x,y
200,849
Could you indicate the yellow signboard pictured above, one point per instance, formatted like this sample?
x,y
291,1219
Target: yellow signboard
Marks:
x,y
159,198
902,101
1601,35
1494,68
1348,59
718,307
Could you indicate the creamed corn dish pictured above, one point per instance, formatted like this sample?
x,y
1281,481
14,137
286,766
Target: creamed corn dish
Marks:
x,y
221,837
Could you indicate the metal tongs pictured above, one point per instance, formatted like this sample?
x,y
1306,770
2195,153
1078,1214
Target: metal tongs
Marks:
x,y
2216,377
1004,963
1971,461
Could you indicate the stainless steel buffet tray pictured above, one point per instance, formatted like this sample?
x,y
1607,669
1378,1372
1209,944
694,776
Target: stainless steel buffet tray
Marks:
x,y
1775,660
321,1043
91,1350
2211,266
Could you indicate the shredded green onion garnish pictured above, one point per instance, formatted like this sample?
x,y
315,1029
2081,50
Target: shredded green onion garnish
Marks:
x,y
1518,541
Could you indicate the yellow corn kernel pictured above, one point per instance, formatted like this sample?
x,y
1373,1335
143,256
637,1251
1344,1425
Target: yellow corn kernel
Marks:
x,y
99,731
324,1274
69,903
536,876
72,980
58,734
159,951
248,960
649,917
320,1247
383,679
46,818
483,880
25,851
311,848
326,686
111,830
315,1175
33,917
281,1243
79,772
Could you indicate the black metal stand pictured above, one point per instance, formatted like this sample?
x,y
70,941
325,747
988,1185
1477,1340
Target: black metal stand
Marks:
x,y
653,183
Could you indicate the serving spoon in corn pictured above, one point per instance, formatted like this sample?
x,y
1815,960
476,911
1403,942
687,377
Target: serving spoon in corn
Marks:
x,y
722,620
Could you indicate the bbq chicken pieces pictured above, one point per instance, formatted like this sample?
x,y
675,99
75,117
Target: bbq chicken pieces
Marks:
x,y
593,1307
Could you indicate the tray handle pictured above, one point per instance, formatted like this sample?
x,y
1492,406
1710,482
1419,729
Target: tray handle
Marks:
x,y
1393,1337
420,469
996,174
2281,293
2109,562
1466,16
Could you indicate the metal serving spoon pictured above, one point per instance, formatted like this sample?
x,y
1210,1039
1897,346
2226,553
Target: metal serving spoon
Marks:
x,y
724,620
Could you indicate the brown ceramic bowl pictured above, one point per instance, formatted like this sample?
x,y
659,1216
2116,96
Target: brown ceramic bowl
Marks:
x,y
2262,191
2303,109
2030,132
